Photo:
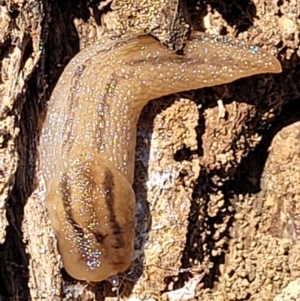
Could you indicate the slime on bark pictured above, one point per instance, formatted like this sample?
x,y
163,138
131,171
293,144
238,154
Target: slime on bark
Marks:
x,y
89,135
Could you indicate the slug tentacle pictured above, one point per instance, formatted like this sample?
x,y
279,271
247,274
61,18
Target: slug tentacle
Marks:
x,y
88,139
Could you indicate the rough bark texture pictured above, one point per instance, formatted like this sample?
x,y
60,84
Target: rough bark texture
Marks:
x,y
218,187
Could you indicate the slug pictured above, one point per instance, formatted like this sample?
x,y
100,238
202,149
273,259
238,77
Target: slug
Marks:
x,y
87,145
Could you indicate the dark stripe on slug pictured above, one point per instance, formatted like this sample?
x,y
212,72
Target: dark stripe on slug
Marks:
x,y
66,200
108,92
109,186
73,100
78,230
167,59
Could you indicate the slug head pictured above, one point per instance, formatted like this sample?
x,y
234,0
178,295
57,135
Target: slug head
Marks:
x,y
92,214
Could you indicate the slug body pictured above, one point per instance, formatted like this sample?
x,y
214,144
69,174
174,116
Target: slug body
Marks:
x,y
89,136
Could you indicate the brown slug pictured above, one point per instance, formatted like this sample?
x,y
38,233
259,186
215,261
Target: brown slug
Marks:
x,y
87,146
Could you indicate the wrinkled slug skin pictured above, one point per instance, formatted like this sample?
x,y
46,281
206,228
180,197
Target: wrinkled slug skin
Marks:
x,y
87,146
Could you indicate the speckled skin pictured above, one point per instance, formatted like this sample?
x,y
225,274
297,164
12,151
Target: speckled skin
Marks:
x,y
88,138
